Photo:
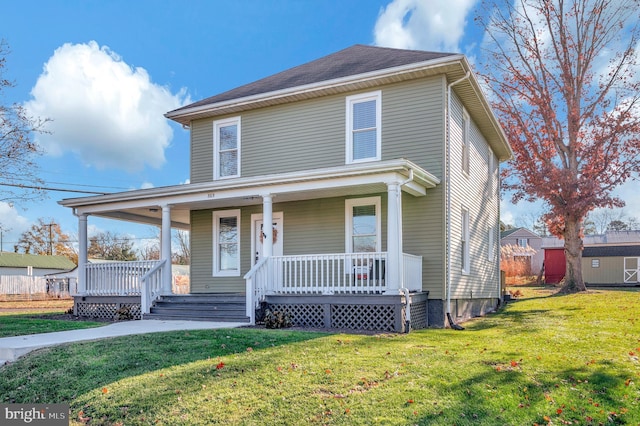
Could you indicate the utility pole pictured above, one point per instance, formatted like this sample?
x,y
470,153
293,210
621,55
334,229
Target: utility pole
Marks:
x,y
2,231
50,238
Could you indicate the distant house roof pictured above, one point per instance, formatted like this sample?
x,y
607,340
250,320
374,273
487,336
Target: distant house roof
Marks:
x,y
357,59
19,260
609,238
525,231
611,251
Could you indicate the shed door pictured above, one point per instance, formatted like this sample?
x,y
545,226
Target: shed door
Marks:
x,y
554,265
631,269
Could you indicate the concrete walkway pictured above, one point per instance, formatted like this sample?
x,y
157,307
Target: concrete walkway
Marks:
x,y
11,348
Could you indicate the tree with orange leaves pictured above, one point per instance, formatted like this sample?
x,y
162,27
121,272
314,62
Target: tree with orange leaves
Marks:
x,y
565,89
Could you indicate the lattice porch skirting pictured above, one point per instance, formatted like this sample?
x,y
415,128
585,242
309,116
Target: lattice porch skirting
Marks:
x,y
352,312
107,307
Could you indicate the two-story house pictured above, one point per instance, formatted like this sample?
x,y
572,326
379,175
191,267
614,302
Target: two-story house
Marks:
x,y
377,169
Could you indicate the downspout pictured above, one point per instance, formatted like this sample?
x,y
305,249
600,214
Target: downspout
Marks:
x,y
452,324
407,298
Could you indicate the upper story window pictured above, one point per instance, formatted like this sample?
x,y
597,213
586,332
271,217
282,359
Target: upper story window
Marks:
x,y
490,172
465,141
363,225
364,127
523,242
226,148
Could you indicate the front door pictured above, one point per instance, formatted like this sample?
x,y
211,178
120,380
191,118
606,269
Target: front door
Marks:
x,y
257,232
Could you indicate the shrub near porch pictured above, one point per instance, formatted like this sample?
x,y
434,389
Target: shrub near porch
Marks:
x,y
544,359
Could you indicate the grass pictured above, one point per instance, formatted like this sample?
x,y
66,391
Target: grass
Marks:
x,y
18,318
545,359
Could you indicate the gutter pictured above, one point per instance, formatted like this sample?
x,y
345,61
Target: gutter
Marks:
x,y
452,324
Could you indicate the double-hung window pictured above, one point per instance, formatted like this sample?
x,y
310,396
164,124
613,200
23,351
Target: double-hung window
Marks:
x,y
363,225
226,243
226,147
364,127
464,242
465,142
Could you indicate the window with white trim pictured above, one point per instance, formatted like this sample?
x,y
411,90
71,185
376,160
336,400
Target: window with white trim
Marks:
x,y
226,148
595,263
226,243
523,242
491,238
465,141
364,127
464,242
363,224
490,173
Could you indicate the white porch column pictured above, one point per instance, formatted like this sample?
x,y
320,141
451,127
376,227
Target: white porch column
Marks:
x,y
165,249
82,253
267,225
393,278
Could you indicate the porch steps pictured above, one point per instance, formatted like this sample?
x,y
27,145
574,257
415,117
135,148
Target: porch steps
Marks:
x,y
222,307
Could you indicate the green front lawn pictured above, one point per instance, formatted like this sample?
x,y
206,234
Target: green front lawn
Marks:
x,y
32,319
542,360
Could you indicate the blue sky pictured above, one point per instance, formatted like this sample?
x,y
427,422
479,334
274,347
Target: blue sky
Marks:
x,y
106,71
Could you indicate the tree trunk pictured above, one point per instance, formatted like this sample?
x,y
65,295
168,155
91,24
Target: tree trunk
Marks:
x,y
573,254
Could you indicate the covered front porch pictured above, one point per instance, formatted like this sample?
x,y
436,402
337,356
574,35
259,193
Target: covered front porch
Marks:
x,y
349,274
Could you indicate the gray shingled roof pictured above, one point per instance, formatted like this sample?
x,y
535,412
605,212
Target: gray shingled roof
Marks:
x,y
357,59
610,251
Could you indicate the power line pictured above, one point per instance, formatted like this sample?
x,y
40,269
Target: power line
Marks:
x,y
76,184
47,188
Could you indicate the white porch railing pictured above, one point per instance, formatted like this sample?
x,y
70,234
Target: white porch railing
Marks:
x,y
327,273
151,286
116,278
341,273
412,271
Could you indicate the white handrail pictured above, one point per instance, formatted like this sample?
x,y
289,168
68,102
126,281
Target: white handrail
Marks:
x,y
254,293
151,284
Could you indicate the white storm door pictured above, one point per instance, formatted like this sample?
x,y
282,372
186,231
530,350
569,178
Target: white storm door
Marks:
x,y
257,232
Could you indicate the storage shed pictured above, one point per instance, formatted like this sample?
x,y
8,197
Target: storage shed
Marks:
x,y
611,265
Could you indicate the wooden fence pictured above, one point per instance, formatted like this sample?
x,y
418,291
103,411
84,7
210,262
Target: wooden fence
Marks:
x,y
23,287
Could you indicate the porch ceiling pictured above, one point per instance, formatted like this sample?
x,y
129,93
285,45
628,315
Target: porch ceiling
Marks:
x,y
145,206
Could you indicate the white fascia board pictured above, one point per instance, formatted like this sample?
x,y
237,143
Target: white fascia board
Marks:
x,y
487,109
352,175
328,84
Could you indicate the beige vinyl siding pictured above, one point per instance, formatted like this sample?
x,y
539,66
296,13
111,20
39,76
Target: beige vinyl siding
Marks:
x,y
610,271
311,134
310,227
300,136
470,192
413,123
201,151
423,230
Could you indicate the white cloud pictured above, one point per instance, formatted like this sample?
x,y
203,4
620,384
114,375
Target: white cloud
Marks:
x,y
630,193
146,185
12,224
426,25
105,111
